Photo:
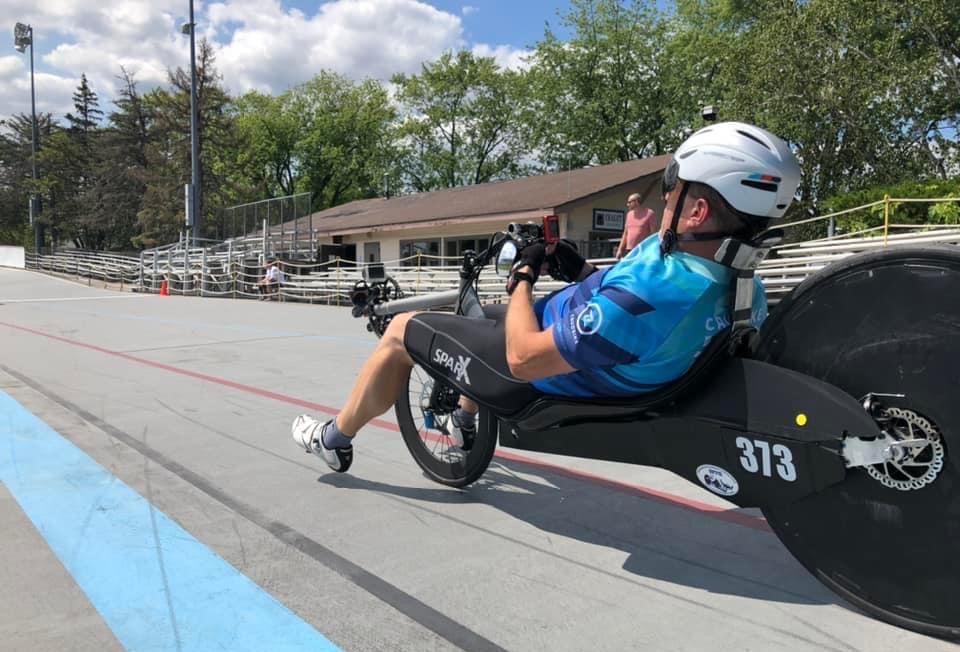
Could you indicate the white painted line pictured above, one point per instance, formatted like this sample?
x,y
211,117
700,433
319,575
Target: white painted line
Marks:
x,y
48,299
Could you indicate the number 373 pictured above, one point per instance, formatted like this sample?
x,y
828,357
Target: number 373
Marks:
x,y
757,448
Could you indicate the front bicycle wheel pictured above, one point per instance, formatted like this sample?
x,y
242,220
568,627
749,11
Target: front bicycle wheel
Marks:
x,y
423,427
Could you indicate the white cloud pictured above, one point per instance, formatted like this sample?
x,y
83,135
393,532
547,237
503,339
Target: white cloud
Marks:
x,y
466,10
506,56
272,48
258,44
72,38
10,67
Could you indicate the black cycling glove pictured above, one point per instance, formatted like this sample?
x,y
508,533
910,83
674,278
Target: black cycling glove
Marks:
x,y
532,256
566,263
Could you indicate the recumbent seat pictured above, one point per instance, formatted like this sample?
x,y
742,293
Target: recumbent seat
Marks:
x,y
547,411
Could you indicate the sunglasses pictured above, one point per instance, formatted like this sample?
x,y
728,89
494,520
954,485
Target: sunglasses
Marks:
x,y
671,175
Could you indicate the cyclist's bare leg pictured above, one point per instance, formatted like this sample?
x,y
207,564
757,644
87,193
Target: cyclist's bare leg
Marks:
x,y
381,379
468,405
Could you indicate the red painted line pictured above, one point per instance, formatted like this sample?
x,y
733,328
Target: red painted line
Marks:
x,y
655,495
200,376
719,513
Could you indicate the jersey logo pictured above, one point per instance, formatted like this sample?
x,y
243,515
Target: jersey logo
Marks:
x,y
590,319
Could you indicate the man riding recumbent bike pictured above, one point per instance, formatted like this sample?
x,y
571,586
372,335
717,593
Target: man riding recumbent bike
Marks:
x,y
836,417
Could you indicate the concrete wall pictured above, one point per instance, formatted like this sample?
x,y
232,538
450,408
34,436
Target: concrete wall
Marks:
x,y
12,257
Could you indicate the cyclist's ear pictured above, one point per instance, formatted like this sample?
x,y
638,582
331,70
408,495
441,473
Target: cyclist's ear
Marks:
x,y
700,212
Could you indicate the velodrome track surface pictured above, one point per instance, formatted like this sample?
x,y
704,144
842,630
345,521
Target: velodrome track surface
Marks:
x,y
151,498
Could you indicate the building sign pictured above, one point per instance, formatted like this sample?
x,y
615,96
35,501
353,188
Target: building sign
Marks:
x,y
607,220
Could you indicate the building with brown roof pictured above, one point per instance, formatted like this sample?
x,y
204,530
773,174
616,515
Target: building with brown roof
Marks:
x,y
590,204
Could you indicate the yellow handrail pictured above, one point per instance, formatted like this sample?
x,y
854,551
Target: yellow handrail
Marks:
x,y
886,218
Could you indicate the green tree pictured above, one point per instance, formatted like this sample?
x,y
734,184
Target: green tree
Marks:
x,y
269,130
87,104
599,97
84,208
461,122
834,79
931,38
343,148
15,171
122,166
701,39
56,181
900,214
161,215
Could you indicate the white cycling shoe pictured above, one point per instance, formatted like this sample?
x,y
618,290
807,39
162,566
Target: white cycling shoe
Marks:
x,y
308,433
462,437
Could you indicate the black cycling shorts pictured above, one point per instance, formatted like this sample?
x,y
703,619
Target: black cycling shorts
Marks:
x,y
470,354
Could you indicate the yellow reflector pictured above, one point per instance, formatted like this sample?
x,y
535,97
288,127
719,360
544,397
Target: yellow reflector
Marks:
x,y
801,419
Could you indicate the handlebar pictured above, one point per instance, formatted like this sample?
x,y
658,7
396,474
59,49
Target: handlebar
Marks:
x,y
375,289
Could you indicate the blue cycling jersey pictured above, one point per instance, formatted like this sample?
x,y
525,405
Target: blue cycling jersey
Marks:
x,y
640,324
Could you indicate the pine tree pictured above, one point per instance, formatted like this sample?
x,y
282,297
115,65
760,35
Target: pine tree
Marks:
x,y
122,169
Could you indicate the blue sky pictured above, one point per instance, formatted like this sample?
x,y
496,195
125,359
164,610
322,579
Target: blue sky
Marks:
x,y
516,22
268,45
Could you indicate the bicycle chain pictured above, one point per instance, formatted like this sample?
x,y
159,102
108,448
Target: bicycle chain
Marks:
x,y
881,472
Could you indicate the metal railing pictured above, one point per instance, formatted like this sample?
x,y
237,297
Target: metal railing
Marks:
x,y
790,265
106,269
235,268
236,273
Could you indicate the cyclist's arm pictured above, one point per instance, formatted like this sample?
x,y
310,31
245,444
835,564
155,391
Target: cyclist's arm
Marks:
x,y
531,353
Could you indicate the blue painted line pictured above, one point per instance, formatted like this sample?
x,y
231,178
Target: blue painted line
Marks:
x,y
154,584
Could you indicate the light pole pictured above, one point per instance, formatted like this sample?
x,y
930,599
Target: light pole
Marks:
x,y
195,193
23,37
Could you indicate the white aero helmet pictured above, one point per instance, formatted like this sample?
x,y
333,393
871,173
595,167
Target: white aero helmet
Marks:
x,y
751,168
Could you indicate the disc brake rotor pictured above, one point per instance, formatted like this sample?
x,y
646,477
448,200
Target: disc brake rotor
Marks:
x,y
919,468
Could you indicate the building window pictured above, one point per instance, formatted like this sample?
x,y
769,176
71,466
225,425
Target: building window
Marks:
x,y
429,251
454,247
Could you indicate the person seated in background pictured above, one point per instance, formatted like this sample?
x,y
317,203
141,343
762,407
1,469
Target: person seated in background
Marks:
x,y
270,283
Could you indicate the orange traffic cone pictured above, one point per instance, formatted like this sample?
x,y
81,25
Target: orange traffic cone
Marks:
x,y
164,290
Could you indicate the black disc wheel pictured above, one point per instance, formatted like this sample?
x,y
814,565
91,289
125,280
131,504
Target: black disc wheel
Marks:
x,y
887,538
424,428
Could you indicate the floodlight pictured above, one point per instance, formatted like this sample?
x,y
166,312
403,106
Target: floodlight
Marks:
x,y
22,37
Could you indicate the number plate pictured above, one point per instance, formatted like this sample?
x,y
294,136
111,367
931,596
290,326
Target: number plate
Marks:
x,y
769,460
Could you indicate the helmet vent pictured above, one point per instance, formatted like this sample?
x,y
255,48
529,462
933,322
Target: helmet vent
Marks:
x,y
747,134
759,185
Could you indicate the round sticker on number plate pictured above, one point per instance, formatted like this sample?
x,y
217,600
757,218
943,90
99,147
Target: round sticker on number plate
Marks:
x,y
717,480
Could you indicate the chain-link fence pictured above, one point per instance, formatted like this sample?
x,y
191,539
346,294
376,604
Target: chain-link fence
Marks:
x,y
289,218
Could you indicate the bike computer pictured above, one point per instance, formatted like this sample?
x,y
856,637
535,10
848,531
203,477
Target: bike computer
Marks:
x,y
374,273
